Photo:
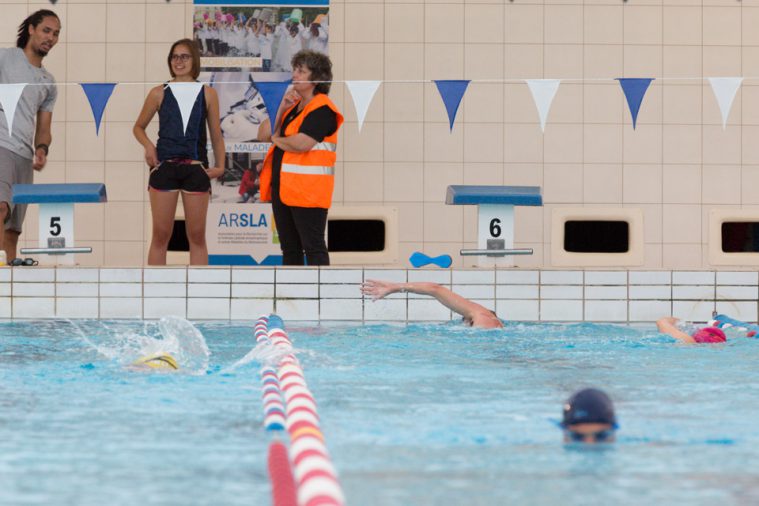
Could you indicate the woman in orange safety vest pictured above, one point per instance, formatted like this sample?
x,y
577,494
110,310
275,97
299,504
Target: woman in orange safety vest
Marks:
x,y
299,170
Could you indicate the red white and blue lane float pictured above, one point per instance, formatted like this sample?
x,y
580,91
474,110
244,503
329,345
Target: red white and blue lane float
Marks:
x,y
304,476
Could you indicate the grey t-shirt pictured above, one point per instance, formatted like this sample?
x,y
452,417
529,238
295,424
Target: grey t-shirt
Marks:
x,y
40,95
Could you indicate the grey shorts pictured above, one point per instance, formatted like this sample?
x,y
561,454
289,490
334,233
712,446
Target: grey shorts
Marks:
x,y
14,169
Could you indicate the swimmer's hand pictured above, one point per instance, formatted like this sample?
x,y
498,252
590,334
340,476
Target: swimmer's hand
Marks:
x,y
378,289
151,156
214,172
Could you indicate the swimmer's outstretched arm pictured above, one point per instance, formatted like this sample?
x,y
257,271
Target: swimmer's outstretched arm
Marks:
x,y
668,325
378,289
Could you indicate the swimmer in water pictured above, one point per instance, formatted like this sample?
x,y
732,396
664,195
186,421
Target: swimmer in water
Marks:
x,y
668,325
157,361
588,417
474,314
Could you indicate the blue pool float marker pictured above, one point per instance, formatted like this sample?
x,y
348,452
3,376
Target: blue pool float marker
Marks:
x,y
723,322
275,322
419,259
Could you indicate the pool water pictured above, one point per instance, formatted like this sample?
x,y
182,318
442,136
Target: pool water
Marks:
x,y
433,414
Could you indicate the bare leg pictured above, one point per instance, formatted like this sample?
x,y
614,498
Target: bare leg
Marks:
x,y
163,207
4,211
195,214
10,244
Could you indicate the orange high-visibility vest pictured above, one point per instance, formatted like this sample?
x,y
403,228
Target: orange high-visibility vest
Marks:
x,y
306,179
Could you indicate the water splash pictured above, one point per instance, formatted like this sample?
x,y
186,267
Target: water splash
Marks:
x,y
264,353
172,334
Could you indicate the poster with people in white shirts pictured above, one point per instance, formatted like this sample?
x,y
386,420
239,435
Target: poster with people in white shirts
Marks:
x,y
262,37
243,44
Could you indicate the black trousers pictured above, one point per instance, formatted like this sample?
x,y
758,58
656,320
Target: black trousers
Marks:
x,y
301,230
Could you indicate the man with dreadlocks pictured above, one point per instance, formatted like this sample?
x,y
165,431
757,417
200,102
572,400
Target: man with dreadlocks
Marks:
x,y
24,142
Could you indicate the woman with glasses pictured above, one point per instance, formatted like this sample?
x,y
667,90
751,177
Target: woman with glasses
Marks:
x,y
179,161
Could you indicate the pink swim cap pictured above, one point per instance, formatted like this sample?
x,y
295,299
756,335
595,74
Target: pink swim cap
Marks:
x,y
709,335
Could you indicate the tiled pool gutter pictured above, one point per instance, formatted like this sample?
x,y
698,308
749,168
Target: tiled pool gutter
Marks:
x,y
332,294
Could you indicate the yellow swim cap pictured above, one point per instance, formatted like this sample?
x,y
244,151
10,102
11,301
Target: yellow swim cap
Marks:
x,y
157,361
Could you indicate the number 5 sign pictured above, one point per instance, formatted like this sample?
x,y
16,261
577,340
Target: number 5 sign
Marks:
x,y
56,225
496,231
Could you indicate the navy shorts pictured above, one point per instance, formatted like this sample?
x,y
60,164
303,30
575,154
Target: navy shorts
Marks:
x,y
171,176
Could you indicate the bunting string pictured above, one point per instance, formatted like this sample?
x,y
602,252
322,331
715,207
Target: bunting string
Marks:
x,y
452,92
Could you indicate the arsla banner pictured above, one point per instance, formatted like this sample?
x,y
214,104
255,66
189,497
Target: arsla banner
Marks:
x,y
246,50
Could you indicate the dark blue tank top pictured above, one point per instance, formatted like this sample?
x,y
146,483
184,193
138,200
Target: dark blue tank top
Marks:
x,y
172,141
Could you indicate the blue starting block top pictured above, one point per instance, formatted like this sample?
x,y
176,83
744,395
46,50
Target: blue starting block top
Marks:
x,y
513,195
58,193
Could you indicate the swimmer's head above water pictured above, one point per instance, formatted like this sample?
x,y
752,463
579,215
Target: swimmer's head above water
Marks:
x,y
157,361
588,417
709,335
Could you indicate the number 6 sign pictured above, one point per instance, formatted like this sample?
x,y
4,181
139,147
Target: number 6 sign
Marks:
x,y
496,231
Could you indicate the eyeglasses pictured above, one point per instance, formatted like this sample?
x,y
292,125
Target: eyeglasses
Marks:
x,y
23,261
602,436
181,57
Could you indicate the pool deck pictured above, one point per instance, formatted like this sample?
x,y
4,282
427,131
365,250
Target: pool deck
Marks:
x,y
332,294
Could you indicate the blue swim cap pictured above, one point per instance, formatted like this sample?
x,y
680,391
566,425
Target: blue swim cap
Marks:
x,y
589,406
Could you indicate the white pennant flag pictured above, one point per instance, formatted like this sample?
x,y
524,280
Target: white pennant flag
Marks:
x,y
362,93
9,95
543,91
185,94
724,89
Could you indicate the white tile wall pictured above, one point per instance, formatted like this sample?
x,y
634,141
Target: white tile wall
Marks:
x,y
606,310
251,275
249,309
298,309
650,277
121,289
251,291
427,310
347,291
737,278
561,310
340,309
561,277
245,293
745,311
121,308
164,290
155,308
33,307
649,310
341,276
76,289
518,310
121,275
442,277
208,290
306,276
79,307
606,292
208,309
385,310
517,277
517,292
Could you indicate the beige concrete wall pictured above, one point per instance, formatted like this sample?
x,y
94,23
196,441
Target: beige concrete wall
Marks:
x,y
677,166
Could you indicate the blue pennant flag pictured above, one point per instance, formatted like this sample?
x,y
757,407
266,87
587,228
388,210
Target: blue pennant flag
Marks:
x,y
98,95
272,92
452,91
418,259
634,90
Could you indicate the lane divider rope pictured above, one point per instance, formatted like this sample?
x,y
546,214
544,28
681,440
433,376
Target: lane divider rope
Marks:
x,y
305,476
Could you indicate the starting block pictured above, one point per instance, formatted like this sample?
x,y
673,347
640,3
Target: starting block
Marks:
x,y
56,215
495,222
